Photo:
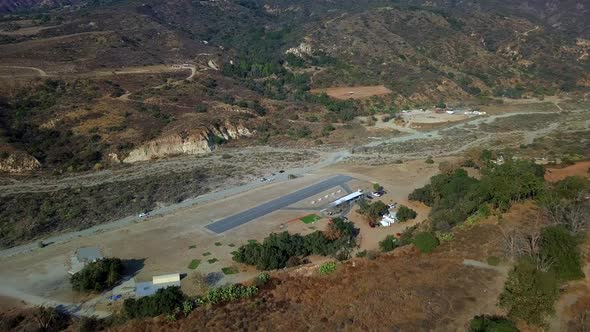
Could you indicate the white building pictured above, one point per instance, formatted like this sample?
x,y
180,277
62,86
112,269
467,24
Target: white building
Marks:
x,y
389,219
347,198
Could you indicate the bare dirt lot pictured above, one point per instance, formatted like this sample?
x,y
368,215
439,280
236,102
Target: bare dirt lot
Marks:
x,y
579,169
357,92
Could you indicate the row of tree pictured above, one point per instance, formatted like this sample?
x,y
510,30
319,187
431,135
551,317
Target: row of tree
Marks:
x,y
283,249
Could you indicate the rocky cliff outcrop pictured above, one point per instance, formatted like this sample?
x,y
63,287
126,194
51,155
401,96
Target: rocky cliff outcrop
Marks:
x,y
19,162
187,142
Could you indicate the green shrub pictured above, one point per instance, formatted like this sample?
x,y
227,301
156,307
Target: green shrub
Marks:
x,y
361,254
425,242
529,294
98,276
404,213
165,301
429,160
328,128
228,294
389,243
327,268
561,247
486,323
262,279
194,264
444,236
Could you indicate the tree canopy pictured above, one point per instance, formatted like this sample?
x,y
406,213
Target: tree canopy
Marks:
x,y
98,276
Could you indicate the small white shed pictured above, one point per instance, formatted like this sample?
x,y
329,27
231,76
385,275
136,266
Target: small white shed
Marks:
x,y
167,278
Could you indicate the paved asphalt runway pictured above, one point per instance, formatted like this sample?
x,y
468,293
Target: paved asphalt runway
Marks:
x,y
241,218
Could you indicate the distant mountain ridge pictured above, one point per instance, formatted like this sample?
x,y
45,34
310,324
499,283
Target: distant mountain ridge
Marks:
x,y
11,6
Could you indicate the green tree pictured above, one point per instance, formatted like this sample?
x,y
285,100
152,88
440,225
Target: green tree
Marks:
x,y
561,248
572,187
425,242
98,276
372,211
404,213
389,243
529,294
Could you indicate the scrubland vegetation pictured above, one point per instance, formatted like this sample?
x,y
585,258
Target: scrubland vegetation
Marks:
x,y
27,216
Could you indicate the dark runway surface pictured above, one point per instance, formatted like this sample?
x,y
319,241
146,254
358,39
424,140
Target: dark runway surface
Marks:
x,y
241,218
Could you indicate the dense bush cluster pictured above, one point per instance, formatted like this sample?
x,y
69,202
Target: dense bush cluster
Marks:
x,y
404,213
98,276
456,196
279,248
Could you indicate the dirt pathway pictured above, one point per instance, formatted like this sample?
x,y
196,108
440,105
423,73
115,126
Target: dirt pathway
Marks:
x,y
41,72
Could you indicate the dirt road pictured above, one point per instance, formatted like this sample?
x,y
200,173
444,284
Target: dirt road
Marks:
x,y
40,72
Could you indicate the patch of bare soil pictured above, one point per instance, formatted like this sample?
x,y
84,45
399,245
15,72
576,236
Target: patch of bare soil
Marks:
x,y
578,169
357,92
405,291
